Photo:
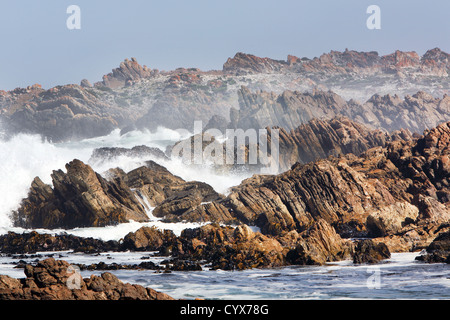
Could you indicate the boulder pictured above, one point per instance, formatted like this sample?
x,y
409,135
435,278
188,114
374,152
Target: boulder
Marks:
x,y
32,242
318,245
110,153
438,251
52,279
230,248
366,251
148,239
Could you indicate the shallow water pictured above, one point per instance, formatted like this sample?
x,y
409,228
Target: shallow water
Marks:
x,y
400,277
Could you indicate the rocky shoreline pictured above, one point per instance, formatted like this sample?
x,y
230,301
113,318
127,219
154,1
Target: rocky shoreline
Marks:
x,y
229,249
358,180
52,279
396,195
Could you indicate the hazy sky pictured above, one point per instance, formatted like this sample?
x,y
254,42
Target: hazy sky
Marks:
x,y
37,46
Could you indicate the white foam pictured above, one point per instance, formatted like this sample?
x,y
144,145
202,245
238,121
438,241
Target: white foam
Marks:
x,y
25,157
22,158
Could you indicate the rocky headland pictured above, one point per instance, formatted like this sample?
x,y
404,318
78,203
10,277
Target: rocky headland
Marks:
x,y
133,96
395,194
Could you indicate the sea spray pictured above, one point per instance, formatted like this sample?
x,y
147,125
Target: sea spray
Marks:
x,y
22,158
25,156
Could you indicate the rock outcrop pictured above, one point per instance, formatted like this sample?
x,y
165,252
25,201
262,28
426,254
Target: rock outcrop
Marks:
x,y
52,279
319,139
79,198
287,110
243,63
128,72
61,113
291,109
318,245
173,198
415,113
83,198
397,194
438,251
148,239
229,248
133,96
316,139
366,251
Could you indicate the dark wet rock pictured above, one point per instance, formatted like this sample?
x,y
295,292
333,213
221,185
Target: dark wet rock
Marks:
x,y
31,242
438,251
290,109
400,190
129,71
366,251
181,265
102,266
52,279
229,248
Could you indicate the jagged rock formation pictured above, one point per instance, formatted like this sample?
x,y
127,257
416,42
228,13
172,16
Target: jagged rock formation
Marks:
x,y
83,198
133,96
415,113
398,194
243,63
287,110
319,139
49,279
61,113
230,248
434,61
32,242
173,198
316,139
127,73
79,198
212,245
187,98
290,109
438,251
318,245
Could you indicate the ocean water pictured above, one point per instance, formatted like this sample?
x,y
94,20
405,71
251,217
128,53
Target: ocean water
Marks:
x,y
400,277
26,156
